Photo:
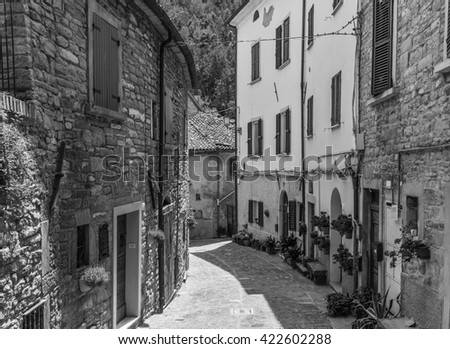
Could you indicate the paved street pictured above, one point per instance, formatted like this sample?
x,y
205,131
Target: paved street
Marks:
x,y
232,286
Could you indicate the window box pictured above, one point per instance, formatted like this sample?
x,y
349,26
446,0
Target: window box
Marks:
x,y
443,67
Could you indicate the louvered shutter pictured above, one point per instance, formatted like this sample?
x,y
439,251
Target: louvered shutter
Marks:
x,y
448,30
250,211
255,61
261,214
336,100
288,131
309,130
382,46
278,46
260,137
311,25
278,134
250,138
286,34
105,64
292,215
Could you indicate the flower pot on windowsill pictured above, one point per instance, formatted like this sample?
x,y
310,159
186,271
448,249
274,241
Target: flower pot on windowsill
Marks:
x,y
83,286
423,252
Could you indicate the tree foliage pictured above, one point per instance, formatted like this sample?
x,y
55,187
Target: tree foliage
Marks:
x,y
202,25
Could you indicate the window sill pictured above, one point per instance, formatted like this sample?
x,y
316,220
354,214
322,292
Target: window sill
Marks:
x,y
443,67
338,6
310,45
103,112
284,65
388,94
254,157
333,127
309,136
255,81
283,155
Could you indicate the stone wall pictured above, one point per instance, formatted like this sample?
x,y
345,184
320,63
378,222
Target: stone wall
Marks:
x,y
417,116
57,42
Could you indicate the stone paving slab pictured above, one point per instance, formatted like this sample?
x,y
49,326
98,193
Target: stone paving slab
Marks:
x,y
235,287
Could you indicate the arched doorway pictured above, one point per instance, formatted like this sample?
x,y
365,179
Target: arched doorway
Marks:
x,y
335,238
283,218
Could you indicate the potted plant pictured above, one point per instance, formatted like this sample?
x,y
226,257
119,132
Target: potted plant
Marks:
x,y
302,228
190,218
158,235
410,247
344,225
324,244
314,235
322,222
93,276
344,258
270,244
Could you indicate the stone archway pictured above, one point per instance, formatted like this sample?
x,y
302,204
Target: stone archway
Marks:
x,y
335,238
283,219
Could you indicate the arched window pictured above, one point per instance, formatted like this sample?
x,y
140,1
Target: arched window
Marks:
x,y
255,16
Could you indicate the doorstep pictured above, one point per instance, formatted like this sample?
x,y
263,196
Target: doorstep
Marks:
x,y
128,323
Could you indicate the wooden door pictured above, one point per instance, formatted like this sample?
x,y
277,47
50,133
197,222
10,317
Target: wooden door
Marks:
x,y
374,239
230,221
121,265
169,269
285,216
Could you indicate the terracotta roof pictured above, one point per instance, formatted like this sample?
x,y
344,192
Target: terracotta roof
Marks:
x,y
207,131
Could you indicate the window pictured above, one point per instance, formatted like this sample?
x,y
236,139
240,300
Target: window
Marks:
x,y
34,319
255,61
82,245
382,59
256,212
336,100
255,16
412,212
282,43
336,5
283,132
103,242
154,121
310,116
232,167
311,26
255,138
105,62
447,41
198,197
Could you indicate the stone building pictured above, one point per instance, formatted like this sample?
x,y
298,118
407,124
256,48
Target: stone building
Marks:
x,y
94,162
212,154
404,98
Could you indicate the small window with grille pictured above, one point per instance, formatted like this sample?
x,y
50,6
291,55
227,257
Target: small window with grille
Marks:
x,y
336,83
34,318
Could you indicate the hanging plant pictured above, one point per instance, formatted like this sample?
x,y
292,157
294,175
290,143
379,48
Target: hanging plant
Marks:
x,y
322,221
344,258
158,235
302,228
94,276
344,225
409,247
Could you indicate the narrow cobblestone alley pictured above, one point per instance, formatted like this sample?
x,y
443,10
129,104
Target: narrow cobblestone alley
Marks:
x,y
232,286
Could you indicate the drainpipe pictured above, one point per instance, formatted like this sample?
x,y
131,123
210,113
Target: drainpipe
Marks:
x,y
302,116
161,252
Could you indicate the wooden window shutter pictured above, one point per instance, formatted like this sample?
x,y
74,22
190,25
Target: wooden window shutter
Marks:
x,y
255,61
261,214
278,46
260,137
336,100
311,25
382,46
250,211
105,64
292,215
310,115
286,34
278,134
250,138
448,30
288,131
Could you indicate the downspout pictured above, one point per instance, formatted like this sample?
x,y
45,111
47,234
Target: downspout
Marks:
x,y
302,116
356,178
161,252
